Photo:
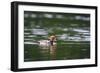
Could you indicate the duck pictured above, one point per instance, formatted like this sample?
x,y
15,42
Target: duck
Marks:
x,y
45,43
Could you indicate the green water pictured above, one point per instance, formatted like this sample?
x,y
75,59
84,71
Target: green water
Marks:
x,y
65,51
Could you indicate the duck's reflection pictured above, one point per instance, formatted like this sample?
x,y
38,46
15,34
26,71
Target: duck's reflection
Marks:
x,y
53,52
49,52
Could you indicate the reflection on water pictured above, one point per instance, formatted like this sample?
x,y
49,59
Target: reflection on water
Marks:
x,y
53,51
49,52
78,50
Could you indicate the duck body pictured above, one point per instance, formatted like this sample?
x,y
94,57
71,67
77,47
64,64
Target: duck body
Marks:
x,y
45,43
